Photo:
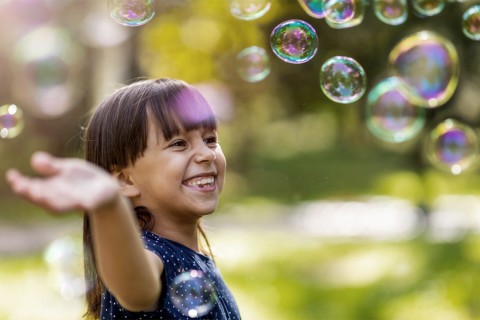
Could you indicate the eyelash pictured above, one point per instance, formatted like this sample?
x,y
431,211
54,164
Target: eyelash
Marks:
x,y
182,143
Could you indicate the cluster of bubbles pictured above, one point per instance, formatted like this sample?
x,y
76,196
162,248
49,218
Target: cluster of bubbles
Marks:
x,y
423,71
193,293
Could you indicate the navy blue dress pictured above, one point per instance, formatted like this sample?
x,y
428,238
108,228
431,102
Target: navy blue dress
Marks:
x,y
192,287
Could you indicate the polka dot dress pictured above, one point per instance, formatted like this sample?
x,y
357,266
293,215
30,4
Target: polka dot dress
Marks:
x,y
192,287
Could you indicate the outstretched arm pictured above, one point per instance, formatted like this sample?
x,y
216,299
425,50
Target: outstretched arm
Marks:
x,y
127,269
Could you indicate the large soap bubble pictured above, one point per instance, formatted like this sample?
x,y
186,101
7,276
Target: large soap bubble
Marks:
x,y
343,79
392,12
131,13
193,293
452,146
428,63
294,41
340,14
471,22
249,9
314,8
391,114
253,64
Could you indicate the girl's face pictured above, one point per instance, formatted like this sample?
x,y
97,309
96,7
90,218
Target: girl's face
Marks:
x,y
181,177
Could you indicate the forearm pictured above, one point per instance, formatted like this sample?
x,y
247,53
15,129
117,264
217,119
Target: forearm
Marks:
x,y
121,259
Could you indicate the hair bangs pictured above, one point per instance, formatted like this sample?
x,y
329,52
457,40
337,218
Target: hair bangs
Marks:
x,y
186,109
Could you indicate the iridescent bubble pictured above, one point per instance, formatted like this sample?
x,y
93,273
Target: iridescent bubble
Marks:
x,y
47,64
64,258
340,14
392,12
343,79
471,22
339,11
249,9
131,13
428,8
391,114
314,8
452,146
11,121
428,63
294,41
253,64
193,293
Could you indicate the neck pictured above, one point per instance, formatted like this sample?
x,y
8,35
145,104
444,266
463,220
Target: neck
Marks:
x,y
185,234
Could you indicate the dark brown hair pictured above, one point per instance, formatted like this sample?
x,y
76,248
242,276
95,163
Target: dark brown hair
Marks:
x,y
116,136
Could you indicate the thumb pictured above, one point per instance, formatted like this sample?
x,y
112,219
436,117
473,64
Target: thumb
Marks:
x,y
44,163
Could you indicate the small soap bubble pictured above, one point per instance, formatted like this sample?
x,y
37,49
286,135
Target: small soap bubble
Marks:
x,y
452,146
343,79
392,12
131,13
64,258
314,8
253,64
471,22
340,14
249,9
11,121
428,63
294,41
339,11
428,8
391,114
193,293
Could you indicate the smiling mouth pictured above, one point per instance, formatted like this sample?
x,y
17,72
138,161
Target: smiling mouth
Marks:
x,y
200,182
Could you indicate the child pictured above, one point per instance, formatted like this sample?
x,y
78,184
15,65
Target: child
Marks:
x,y
151,149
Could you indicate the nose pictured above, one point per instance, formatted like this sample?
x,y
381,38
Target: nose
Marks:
x,y
205,153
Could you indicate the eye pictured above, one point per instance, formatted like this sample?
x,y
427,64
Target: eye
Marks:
x,y
213,140
177,144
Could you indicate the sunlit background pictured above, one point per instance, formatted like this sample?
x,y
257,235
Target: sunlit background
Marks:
x,y
350,128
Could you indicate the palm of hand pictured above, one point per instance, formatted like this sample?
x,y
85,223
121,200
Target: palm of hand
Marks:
x,y
68,184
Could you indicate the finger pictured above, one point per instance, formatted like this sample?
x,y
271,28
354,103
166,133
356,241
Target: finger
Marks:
x,y
44,163
11,175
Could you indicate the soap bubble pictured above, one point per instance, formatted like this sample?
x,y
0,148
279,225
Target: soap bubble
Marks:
x,y
314,8
340,14
452,146
11,121
339,11
471,22
392,12
343,79
390,113
48,63
428,63
193,293
294,41
64,258
428,8
253,64
131,13
249,9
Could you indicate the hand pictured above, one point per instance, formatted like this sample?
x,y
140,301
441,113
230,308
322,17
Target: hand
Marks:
x,y
67,184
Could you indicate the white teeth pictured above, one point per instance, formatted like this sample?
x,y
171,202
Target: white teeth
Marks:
x,y
201,182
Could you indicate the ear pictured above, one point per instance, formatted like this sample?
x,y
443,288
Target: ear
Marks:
x,y
127,184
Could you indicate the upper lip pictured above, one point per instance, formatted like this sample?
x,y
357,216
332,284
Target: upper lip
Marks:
x,y
200,175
